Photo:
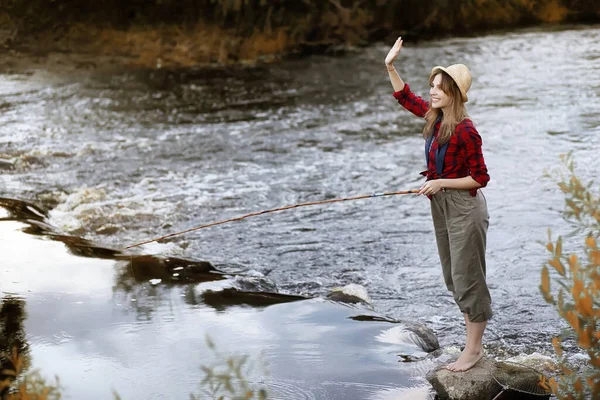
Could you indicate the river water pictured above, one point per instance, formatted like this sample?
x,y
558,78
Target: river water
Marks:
x,y
125,156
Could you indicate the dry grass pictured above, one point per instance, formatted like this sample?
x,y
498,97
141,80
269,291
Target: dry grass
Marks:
x,y
578,297
552,12
172,46
29,386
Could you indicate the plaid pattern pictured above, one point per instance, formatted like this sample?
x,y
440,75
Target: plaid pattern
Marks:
x,y
412,102
463,157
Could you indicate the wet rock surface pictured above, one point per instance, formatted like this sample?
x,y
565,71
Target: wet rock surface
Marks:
x,y
486,380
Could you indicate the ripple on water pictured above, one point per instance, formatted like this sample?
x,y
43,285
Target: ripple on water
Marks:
x,y
293,390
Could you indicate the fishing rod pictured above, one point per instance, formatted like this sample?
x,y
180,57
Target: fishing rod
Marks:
x,y
312,203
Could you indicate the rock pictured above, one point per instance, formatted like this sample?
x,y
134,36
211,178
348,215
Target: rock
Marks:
x,y
352,294
544,364
418,336
427,339
6,164
474,384
479,383
254,284
524,380
221,299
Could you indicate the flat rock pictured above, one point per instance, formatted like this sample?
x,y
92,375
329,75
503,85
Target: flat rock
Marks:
x,y
478,383
474,384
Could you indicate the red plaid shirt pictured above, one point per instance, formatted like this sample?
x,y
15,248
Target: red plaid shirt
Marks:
x,y
463,156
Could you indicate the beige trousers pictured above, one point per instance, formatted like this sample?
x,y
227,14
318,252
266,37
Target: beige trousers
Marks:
x,y
461,222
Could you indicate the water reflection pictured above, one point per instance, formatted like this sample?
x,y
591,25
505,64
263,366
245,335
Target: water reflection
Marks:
x,y
141,280
13,339
159,313
145,281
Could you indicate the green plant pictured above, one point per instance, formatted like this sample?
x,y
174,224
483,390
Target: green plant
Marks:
x,y
578,297
227,379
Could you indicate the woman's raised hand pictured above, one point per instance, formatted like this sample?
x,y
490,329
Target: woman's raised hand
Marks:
x,y
394,51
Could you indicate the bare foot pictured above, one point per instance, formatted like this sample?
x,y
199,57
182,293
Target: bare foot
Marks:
x,y
466,361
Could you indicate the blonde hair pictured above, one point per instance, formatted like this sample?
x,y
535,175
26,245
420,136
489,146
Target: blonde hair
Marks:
x,y
454,114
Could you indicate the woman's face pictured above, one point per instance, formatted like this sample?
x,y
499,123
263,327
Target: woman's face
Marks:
x,y
439,99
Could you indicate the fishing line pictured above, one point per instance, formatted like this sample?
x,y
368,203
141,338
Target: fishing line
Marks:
x,y
312,203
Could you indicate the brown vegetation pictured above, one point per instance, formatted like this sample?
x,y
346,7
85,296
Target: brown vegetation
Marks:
x,y
578,297
171,45
192,32
29,386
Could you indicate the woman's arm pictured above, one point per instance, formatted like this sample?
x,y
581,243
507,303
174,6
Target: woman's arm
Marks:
x,y
402,93
465,183
474,156
433,186
478,174
397,82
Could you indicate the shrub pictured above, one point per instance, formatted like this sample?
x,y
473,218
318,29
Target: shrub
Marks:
x,y
578,298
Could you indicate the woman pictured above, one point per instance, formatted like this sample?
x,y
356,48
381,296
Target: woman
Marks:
x,y
455,171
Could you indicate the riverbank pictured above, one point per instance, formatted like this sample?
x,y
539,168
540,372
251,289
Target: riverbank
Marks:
x,y
141,55
212,35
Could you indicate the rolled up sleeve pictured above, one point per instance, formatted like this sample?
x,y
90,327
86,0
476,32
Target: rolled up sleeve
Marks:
x,y
474,156
411,101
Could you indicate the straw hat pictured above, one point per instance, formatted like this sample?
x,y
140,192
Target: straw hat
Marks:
x,y
460,74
